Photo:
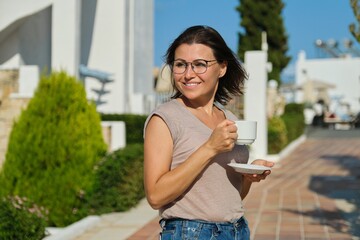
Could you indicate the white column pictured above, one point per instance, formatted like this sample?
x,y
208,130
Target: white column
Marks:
x,y
255,99
66,15
131,60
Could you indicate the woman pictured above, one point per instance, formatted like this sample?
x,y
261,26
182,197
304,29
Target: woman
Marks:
x,y
190,140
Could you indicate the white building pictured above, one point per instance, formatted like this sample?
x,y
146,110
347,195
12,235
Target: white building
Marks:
x,y
342,73
112,36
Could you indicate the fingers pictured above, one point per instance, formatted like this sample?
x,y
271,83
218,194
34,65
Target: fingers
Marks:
x,y
256,177
227,122
263,162
269,164
224,136
230,128
227,126
227,130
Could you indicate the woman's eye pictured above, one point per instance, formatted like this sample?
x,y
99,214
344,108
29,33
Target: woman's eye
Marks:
x,y
199,64
180,65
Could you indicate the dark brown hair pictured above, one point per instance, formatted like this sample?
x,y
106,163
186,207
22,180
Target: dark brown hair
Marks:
x,y
232,82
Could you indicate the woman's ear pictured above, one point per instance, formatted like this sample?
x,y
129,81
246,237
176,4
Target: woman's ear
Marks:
x,y
223,68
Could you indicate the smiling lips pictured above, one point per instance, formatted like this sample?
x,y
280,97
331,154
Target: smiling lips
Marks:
x,y
191,84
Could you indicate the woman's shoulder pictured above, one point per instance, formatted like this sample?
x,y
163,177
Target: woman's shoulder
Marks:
x,y
167,105
168,109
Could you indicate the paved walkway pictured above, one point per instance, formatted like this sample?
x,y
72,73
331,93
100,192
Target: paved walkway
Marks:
x,y
313,193
119,226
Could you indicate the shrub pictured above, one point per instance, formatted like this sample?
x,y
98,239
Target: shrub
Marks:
x,y
53,148
134,125
277,135
119,181
294,120
294,108
21,219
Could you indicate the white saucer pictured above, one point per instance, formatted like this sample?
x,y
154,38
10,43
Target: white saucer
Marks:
x,y
249,168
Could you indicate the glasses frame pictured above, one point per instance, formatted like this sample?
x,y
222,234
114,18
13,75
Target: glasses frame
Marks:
x,y
191,64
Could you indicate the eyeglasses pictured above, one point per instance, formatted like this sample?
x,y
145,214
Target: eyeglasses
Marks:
x,y
199,66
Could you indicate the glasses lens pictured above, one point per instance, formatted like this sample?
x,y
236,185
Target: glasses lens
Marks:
x,y
179,66
199,66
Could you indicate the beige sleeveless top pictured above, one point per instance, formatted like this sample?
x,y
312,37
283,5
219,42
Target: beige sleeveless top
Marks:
x,y
215,195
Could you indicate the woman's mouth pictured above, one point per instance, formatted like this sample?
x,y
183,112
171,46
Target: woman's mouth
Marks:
x,y
191,84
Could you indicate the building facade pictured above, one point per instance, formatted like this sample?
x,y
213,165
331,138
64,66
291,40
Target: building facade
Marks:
x,y
342,75
112,37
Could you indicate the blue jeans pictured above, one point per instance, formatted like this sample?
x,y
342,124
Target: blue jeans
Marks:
x,y
182,229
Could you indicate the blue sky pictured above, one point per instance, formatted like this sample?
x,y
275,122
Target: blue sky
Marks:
x,y
305,22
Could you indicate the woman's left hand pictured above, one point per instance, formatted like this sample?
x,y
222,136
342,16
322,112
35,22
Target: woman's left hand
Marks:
x,y
259,177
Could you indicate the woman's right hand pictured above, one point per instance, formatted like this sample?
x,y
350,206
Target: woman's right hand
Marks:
x,y
223,137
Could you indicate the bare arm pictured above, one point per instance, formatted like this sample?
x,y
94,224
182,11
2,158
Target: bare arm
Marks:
x,y
163,185
246,185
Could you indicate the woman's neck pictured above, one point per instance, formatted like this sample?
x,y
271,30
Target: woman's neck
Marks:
x,y
206,107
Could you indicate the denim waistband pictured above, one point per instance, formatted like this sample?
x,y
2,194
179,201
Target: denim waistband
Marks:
x,y
236,223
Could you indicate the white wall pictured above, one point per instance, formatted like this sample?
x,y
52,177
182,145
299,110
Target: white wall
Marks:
x,y
13,10
107,53
112,36
344,73
27,41
140,55
65,51
122,44
28,81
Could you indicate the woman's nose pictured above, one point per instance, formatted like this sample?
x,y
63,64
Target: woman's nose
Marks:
x,y
189,71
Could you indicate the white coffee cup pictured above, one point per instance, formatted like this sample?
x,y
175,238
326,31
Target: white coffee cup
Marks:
x,y
246,131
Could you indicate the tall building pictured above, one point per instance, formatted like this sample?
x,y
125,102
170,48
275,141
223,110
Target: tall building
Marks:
x,y
112,38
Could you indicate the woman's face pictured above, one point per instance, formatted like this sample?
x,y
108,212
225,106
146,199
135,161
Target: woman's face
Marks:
x,y
192,85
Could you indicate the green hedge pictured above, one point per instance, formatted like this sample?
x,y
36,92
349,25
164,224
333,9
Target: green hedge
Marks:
x,y
21,219
277,135
294,120
286,128
53,148
119,181
134,125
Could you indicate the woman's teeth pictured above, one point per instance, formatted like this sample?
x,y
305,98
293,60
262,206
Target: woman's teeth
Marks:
x,y
191,84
